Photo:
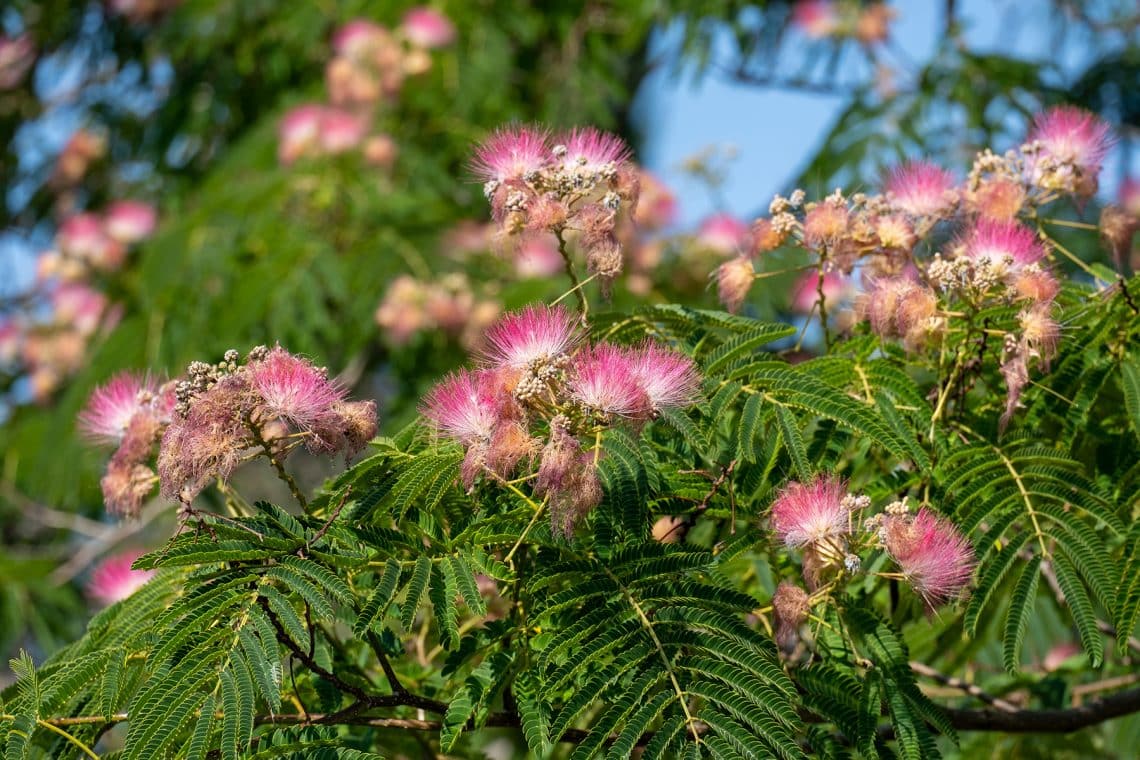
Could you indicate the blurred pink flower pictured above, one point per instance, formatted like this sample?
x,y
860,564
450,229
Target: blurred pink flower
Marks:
x,y
1073,135
921,188
537,256
806,291
817,19
130,221
341,131
17,54
113,579
428,28
1130,197
11,339
358,38
657,205
724,233
78,306
299,132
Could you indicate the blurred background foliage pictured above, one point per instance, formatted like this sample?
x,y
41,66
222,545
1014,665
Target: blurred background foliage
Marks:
x,y
188,99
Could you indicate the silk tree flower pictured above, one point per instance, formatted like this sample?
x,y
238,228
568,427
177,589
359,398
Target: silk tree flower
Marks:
x,y
817,19
932,554
657,205
668,378
811,513
1002,241
1129,197
806,291
341,131
358,38
428,28
532,338
826,223
11,340
130,221
724,234
603,379
733,281
591,150
299,132
1071,137
464,406
997,198
512,153
922,189
113,580
293,389
17,54
112,406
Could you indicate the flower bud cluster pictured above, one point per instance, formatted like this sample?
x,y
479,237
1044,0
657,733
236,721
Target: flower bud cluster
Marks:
x,y
541,389
833,533
216,417
368,70
578,186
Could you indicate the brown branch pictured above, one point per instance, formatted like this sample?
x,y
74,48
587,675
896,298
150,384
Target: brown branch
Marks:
x,y
1055,721
957,683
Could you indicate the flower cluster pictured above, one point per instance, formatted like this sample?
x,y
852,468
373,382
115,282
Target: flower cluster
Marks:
x,y
82,149
868,23
541,389
577,186
89,242
930,248
368,69
219,416
830,529
447,304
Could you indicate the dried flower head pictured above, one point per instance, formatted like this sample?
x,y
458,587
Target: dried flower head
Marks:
x,y
935,557
791,606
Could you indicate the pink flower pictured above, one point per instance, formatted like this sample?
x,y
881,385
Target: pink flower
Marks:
x,y
996,239
723,233
816,18
130,221
82,237
428,28
1073,136
657,205
357,38
341,131
537,256
922,189
810,513
298,132
11,339
935,557
464,406
806,291
733,281
293,389
113,579
603,379
591,149
512,153
112,406
825,224
537,335
17,54
668,378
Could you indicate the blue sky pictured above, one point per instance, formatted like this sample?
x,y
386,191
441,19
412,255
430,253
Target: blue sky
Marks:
x,y
773,132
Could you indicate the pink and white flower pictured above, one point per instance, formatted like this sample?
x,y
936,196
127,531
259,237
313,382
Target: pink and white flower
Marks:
x,y
428,28
293,389
592,149
113,579
733,281
669,378
816,18
341,131
112,406
464,407
357,38
299,132
512,153
1073,136
1000,240
811,513
536,335
921,188
604,380
935,557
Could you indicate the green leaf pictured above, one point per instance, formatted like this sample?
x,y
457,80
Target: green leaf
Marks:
x,y
1017,618
416,588
379,599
